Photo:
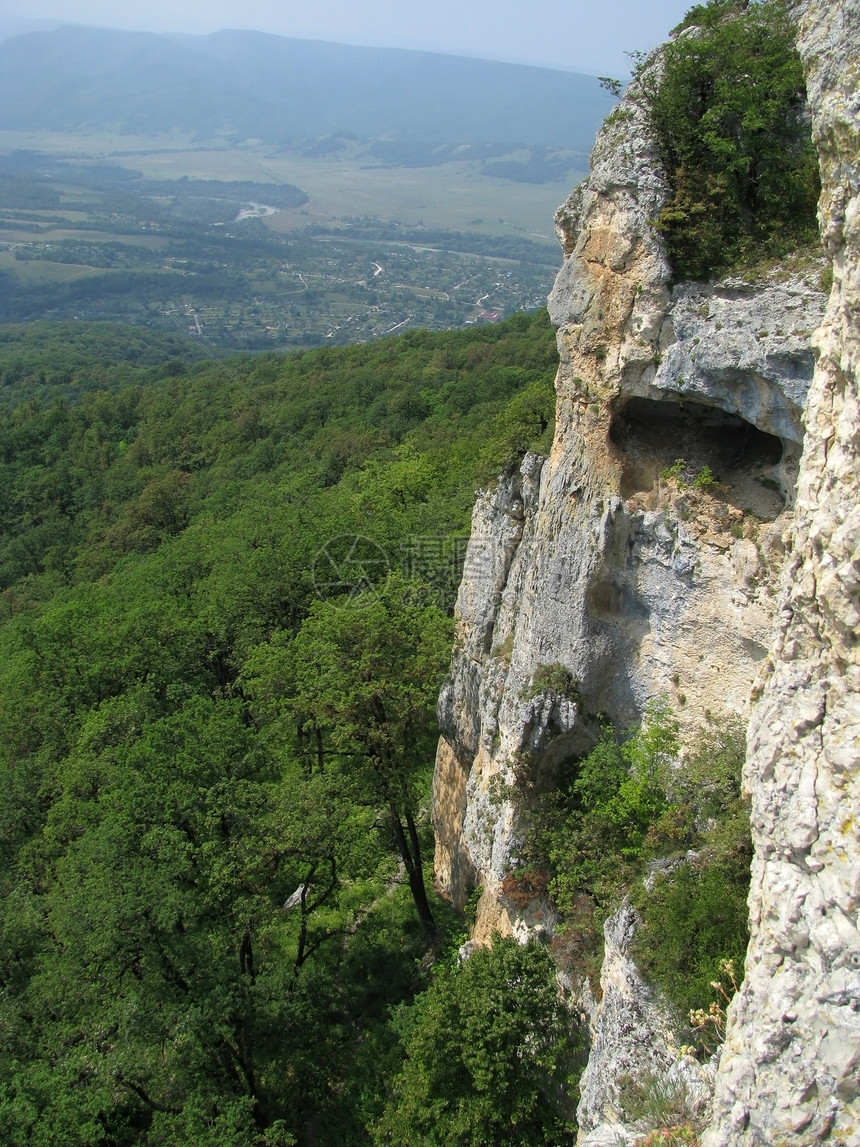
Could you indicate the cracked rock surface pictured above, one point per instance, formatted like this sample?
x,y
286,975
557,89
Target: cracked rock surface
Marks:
x,y
790,1071
590,560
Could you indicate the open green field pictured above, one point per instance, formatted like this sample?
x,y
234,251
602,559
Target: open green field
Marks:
x,y
453,196
44,271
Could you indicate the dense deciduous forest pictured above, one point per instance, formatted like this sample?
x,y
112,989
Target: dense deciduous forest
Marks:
x,y
225,602
215,829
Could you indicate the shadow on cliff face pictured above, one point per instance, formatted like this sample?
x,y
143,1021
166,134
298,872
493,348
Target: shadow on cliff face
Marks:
x,y
700,445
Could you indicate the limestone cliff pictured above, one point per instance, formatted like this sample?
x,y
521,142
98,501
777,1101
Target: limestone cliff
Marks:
x,y
593,562
790,1071
589,559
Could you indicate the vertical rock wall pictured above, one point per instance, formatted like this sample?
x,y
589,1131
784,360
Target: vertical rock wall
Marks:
x,y
790,1070
590,563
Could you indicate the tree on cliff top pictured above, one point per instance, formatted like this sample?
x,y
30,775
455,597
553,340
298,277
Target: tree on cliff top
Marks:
x,y
732,129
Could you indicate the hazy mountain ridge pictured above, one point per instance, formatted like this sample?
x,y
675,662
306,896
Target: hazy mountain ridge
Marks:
x,y
251,84
138,145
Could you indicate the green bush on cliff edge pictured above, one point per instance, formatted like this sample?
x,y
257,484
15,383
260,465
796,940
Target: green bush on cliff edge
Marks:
x,y
645,804
734,135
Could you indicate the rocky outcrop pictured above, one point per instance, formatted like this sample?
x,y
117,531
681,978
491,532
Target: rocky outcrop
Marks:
x,y
632,1044
790,1071
592,581
593,561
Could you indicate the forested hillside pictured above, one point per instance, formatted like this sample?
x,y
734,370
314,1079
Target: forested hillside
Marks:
x,y
226,599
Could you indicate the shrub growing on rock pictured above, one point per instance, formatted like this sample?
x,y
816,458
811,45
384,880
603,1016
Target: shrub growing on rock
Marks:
x,y
730,118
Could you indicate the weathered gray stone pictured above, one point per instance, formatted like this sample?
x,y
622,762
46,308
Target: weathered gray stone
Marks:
x,y
597,562
629,1037
790,1072
632,1041
745,348
592,560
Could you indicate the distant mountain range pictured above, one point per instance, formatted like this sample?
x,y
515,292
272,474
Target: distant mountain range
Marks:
x,y
251,85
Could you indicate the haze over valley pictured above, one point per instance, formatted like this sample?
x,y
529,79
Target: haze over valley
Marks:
x,y
257,191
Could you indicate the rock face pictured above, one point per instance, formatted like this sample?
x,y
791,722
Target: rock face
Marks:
x,y
629,1044
790,1071
592,582
592,560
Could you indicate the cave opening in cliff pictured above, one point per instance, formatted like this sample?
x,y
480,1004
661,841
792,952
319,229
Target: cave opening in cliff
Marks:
x,y
656,436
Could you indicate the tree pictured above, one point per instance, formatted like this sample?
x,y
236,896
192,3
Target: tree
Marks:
x,y
729,116
156,987
160,981
488,1050
593,829
367,675
613,86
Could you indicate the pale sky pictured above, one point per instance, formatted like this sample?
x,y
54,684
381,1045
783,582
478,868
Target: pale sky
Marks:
x,y
576,35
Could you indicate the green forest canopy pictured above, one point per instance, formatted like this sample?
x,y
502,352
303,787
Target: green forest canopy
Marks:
x,y
203,920
214,828
208,918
